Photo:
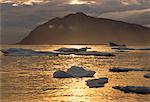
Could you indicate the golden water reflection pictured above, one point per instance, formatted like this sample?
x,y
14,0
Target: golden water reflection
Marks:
x,y
30,79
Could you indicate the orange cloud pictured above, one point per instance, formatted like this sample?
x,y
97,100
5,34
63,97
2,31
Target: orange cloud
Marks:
x,y
82,2
27,2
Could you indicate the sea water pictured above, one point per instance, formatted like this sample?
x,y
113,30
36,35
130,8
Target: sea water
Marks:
x,y
30,78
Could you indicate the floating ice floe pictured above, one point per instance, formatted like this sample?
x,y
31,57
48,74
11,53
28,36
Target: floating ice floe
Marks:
x,y
88,53
123,48
74,72
111,44
61,74
94,53
133,89
80,72
82,51
127,69
26,52
142,49
147,75
127,48
95,83
72,49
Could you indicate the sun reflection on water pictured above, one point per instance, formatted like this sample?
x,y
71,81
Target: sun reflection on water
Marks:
x,y
30,79
77,91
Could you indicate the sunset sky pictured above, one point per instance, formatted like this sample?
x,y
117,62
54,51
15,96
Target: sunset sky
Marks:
x,y
19,17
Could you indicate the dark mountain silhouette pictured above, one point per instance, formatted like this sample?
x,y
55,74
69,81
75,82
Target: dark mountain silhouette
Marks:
x,y
79,28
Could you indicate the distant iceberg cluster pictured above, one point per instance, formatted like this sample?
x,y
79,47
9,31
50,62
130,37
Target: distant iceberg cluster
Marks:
x,y
61,51
80,72
68,51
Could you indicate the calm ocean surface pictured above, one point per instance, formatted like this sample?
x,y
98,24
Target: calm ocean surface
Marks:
x,y
29,78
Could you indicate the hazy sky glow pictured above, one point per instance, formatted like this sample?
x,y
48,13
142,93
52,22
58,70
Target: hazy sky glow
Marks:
x,y
19,17
30,2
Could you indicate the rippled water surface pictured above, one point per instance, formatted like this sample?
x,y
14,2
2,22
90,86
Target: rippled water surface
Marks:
x,y
29,79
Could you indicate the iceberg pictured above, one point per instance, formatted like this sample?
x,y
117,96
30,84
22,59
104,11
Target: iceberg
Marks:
x,y
133,89
147,75
123,48
111,44
95,83
127,69
74,72
26,52
72,49
94,53
127,48
61,74
142,49
82,51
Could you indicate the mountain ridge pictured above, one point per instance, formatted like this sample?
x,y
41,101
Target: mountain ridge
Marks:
x,y
79,28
